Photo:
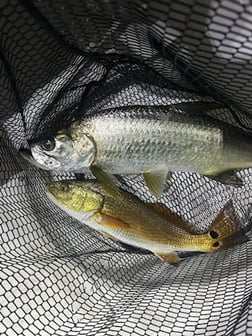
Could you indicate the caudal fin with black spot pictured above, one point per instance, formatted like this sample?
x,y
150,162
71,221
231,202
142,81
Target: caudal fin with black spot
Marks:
x,y
225,231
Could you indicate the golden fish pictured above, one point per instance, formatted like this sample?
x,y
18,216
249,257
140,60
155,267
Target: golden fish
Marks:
x,y
150,226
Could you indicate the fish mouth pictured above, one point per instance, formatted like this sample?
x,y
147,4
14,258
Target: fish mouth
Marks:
x,y
48,187
50,195
52,188
27,155
51,192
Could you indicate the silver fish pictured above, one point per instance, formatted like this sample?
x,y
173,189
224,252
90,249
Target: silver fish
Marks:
x,y
149,140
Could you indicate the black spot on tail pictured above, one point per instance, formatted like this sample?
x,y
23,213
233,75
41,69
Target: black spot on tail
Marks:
x,y
214,234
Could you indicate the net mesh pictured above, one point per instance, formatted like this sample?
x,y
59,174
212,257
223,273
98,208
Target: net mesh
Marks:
x,y
61,60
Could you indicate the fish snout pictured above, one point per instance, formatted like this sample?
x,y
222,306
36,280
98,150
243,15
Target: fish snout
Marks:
x,y
56,188
27,155
49,187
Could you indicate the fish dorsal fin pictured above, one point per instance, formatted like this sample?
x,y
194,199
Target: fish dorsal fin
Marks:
x,y
198,107
171,216
107,180
155,180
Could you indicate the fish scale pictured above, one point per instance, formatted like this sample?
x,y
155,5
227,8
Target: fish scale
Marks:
x,y
131,221
148,140
130,141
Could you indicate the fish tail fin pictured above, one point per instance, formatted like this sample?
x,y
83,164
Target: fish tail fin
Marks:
x,y
227,177
224,231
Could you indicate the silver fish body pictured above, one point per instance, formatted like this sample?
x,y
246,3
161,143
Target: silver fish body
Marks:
x,y
138,140
155,140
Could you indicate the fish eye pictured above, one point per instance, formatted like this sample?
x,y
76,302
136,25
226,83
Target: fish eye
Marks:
x,y
64,187
48,145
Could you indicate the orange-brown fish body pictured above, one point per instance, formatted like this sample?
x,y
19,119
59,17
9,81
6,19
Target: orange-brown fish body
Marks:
x,y
129,220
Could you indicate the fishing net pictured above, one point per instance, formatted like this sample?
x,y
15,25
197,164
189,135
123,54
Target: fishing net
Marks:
x,y
63,59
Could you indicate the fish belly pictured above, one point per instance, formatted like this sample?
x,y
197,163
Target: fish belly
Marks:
x,y
130,239
140,242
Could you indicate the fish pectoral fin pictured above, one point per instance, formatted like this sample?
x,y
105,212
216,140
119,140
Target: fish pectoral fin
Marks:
x,y
108,235
171,216
109,221
107,180
170,258
156,179
228,177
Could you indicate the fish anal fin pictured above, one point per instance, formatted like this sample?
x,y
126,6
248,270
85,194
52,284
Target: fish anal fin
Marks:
x,y
227,177
109,221
171,216
107,180
171,258
155,180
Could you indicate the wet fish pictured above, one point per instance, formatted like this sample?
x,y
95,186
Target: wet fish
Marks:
x,y
150,226
150,140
